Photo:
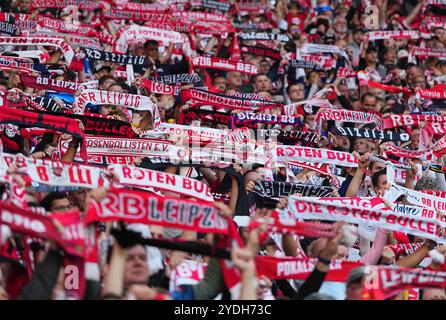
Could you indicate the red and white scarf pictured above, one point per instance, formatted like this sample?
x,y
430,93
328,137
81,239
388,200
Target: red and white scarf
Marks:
x,y
284,153
114,146
40,55
36,41
55,173
410,154
14,63
347,116
131,101
291,109
404,249
71,241
188,272
231,274
439,147
402,120
118,14
67,175
146,178
45,83
196,15
80,4
136,207
436,128
137,34
387,281
161,88
191,134
224,64
344,72
415,197
321,168
437,92
321,209
223,101
395,34
437,193
323,61
388,88
35,225
300,268
73,39
427,52
65,27
311,48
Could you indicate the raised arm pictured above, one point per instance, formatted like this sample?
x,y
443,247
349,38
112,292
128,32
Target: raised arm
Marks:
x,y
353,187
372,256
414,259
317,277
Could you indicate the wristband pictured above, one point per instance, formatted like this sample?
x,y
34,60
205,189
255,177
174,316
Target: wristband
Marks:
x,y
324,261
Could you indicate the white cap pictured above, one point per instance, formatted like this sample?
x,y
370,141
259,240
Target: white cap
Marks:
x,y
402,54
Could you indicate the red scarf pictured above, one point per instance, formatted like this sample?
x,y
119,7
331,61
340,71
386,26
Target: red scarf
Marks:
x,y
137,207
388,88
223,101
402,120
301,268
139,177
387,281
396,34
44,83
35,225
161,88
47,121
223,64
437,92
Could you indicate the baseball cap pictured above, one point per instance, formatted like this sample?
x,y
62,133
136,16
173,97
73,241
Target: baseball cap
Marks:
x,y
402,54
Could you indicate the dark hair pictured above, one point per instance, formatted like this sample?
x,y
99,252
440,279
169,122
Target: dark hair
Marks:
x,y
9,54
386,109
388,49
123,84
150,42
108,68
376,175
105,78
371,49
110,251
293,4
254,78
47,202
46,140
114,84
293,84
367,94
